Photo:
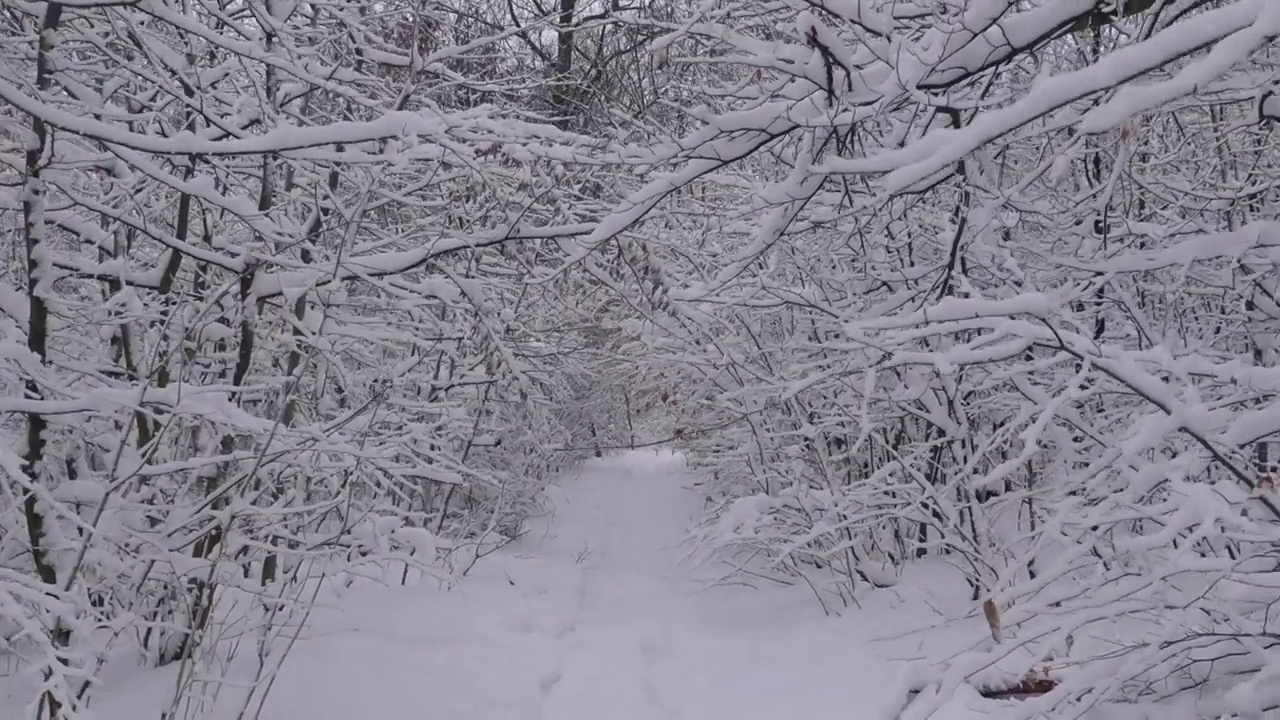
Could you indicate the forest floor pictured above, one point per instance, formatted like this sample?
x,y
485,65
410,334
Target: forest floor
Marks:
x,y
592,615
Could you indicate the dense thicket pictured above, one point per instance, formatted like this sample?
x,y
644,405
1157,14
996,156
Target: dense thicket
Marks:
x,y
991,282
293,288
266,319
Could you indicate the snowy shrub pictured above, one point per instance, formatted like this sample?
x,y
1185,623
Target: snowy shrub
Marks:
x,y
267,319
994,283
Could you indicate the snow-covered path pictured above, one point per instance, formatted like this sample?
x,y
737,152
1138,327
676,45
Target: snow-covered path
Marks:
x,y
590,616
647,638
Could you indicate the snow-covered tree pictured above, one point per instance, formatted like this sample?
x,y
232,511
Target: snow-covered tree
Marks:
x,y
267,316
994,281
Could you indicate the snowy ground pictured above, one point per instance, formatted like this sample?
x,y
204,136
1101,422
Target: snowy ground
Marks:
x,y
591,616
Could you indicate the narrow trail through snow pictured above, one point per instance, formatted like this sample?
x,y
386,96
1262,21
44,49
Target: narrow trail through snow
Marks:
x,y
648,638
590,616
